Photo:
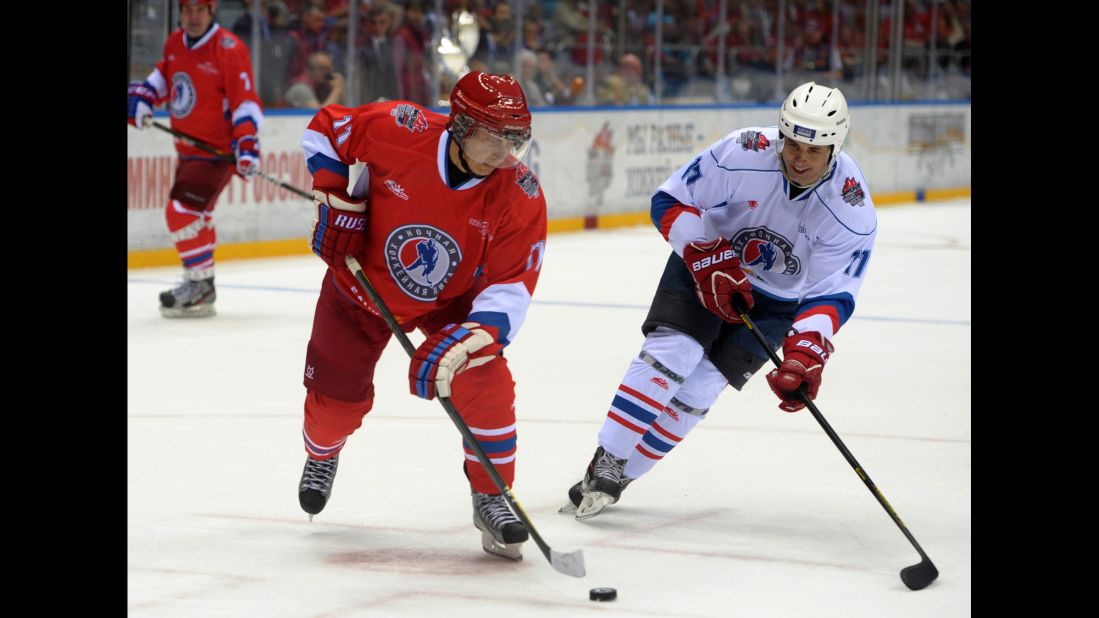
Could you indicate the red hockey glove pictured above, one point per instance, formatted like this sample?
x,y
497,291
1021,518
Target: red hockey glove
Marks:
x,y
447,353
804,355
340,227
718,277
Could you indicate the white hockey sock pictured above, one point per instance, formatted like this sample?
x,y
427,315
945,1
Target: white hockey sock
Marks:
x,y
682,413
651,381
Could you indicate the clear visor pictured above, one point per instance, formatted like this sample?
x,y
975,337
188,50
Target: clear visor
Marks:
x,y
495,149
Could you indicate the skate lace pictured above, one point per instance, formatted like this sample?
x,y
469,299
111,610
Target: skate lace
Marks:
x,y
191,290
609,467
185,291
319,474
494,510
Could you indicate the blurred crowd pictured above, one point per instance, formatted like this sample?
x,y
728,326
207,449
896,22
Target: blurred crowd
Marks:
x,y
303,48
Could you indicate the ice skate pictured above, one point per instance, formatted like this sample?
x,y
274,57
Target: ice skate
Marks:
x,y
602,485
576,494
316,484
194,298
502,533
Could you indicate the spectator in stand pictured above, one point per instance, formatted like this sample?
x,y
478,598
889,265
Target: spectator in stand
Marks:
x,y
532,35
850,47
497,47
278,49
377,68
528,71
814,54
746,46
416,39
951,35
624,86
568,24
312,36
337,43
320,85
335,12
549,84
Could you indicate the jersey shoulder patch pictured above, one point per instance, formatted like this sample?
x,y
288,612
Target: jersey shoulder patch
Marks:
x,y
398,121
847,198
526,180
747,148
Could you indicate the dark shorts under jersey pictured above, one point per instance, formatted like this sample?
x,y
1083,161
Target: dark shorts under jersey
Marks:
x,y
730,347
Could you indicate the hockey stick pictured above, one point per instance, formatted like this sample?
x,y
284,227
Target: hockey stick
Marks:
x,y
917,576
225,156
569,564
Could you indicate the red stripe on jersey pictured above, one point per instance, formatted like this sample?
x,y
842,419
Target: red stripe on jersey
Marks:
x,y
667,434
671,215
826,310
621,421
652,402
646,452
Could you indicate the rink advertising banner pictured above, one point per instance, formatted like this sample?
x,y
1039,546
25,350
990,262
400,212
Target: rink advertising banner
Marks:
x,y
590,162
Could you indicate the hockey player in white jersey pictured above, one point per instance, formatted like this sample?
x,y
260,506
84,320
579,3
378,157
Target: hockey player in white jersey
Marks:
x,y
776,219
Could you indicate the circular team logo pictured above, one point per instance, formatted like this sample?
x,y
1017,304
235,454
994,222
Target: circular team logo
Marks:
x,y
761,249
183,95
421,260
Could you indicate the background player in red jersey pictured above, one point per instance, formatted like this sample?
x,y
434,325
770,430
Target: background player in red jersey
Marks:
x,y
450,229
205,77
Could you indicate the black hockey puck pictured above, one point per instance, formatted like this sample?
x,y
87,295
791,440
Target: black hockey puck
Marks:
x,y
602,594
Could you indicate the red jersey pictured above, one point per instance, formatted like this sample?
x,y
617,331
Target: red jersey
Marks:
x,y
209,88
428,243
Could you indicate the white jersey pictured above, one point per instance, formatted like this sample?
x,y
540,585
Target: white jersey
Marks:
x,y
813,249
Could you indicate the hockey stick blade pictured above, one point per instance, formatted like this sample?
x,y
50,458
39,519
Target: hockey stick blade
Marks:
x,y
569,564
919,576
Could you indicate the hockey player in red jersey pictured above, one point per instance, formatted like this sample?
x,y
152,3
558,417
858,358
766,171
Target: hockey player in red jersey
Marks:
x,y
450,228
206,79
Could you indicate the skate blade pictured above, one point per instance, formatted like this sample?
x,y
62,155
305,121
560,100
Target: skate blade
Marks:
x,y
199,311
593,504
568,507
511,551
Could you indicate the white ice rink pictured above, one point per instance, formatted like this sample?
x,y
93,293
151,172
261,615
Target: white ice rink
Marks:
x,y
755,514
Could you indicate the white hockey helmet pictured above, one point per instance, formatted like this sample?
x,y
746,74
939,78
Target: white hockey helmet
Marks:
x,y
816,115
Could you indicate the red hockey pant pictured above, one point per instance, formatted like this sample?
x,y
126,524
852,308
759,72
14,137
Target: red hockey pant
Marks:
x,y
190,209
344,348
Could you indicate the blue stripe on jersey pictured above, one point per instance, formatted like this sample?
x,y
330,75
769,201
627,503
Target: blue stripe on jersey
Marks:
x,y
494,318
657,443
736,169
661,203
244,119
491,447
634,410
840,221
319,161
843,302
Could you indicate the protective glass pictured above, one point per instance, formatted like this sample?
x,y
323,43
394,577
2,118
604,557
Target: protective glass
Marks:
x,y
495,148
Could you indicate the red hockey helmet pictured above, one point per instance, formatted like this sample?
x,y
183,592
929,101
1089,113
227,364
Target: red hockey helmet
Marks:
x,y
491,103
